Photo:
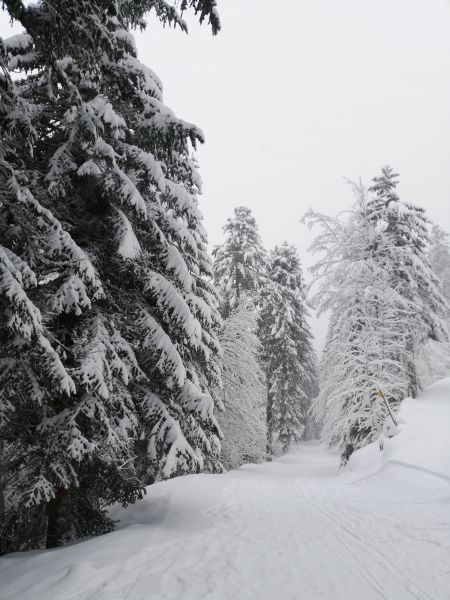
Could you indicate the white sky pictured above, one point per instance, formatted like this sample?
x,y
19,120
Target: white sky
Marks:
x,y
295,96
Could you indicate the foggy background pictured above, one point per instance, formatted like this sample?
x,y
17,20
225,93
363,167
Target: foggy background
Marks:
x,y
296,96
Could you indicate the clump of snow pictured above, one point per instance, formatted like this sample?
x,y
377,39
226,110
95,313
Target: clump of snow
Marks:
x,y
20,41
129,246
88,168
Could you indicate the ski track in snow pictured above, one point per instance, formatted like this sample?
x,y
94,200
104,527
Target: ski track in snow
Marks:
x,y
294,529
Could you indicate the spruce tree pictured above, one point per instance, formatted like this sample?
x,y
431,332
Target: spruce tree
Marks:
x,y
361,280
288,356
240,263
108,314
405,228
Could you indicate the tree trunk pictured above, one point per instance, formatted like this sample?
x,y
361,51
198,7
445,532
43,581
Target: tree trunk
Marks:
x,y
269,450
412,372
59,514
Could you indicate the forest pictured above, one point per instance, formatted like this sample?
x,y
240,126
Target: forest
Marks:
x,y
133,353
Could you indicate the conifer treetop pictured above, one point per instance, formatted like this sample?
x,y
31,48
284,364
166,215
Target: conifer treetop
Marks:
x,y
384,185
240,263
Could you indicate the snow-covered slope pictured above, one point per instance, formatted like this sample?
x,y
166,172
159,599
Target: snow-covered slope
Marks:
x,y
295,529
423,442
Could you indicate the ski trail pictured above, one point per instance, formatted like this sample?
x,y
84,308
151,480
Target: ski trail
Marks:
x,y
370,555
294,529
280,532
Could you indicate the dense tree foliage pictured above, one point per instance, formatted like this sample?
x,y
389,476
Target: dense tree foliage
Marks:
x,y
288,356
243,420
240,263
108,317
383,299
404,229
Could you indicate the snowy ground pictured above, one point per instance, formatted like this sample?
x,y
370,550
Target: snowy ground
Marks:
x,y
294,529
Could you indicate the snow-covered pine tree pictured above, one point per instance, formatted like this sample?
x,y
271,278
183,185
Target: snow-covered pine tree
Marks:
x,y
240,263
28,359
366,347
404,228
243,421
240,273
100,222
288,355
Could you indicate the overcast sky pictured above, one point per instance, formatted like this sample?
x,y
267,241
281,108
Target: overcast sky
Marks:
x,y
296,96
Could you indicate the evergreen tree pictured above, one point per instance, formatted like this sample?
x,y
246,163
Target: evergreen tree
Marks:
x,y
405,254
239,272
107,312
243,421
288,356
240,262
368,347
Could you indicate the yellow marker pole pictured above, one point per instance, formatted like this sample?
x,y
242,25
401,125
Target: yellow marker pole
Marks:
x,y
388,406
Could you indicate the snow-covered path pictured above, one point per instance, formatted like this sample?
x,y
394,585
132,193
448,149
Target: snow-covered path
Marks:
x,y
294,529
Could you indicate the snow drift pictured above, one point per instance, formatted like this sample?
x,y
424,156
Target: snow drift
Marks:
x,y
423,441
